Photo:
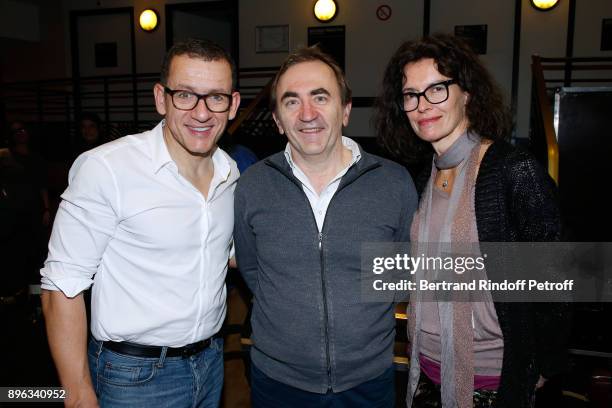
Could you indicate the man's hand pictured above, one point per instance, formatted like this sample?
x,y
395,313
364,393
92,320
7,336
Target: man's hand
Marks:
x,y
66,323
85,398
540,383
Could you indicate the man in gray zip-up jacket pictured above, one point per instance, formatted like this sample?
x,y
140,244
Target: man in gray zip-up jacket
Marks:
x,y
301,217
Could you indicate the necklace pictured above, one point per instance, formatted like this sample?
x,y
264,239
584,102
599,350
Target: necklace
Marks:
x,y
454,156
445,177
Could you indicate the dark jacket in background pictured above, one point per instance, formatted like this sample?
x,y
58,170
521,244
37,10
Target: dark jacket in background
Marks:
x,y
19,215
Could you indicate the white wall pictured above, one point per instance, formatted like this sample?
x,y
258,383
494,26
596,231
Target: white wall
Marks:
x,y
369,42
542,33
150,46
93,30
587,40
499,18
587,36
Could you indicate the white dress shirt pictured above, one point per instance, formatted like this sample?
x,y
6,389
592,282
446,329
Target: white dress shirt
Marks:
x,y
320,202
155,249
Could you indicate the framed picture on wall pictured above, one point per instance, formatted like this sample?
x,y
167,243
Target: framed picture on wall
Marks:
x,y
105,54
272,38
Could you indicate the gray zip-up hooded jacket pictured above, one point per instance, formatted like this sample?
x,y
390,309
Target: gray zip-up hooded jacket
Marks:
x,y
311,328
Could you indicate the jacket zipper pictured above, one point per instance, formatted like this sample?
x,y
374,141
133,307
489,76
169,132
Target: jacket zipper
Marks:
x,y
325,311
320,241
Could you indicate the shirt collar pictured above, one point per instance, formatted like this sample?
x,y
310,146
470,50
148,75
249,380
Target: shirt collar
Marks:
x,y
222,165
161,156
346,142
159,151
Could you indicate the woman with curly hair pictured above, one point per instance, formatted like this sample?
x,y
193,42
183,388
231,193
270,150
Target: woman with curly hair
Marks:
x,y
439,103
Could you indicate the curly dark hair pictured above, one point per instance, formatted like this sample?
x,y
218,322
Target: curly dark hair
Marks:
x,y
486,112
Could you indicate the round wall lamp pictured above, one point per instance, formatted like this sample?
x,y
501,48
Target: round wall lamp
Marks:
x,y
544,5
325,10
148,20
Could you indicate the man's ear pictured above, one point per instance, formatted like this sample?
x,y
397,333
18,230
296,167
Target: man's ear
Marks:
x,y
346,112
160,99
234,106
278,124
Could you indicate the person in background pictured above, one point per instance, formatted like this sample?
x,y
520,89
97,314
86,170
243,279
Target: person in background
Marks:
x,y
33,164
89,133
19,221
243,156
35,173
438,101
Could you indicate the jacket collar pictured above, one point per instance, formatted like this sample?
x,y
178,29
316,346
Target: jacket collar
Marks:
x,y
366,163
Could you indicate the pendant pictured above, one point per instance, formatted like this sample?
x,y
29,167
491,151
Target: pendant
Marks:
x,y
445,184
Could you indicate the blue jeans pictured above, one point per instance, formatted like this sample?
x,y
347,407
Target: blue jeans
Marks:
x,y
268,393
125,381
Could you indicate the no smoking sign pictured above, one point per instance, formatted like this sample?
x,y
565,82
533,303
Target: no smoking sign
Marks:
x,y
383,12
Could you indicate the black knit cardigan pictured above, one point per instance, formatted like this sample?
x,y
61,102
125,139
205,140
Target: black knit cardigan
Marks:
x,y
516,201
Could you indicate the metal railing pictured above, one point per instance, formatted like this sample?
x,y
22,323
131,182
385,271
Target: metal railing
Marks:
x,y
124,103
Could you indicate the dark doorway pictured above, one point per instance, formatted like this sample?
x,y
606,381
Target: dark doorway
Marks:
x,y
99,53
89,35
213,20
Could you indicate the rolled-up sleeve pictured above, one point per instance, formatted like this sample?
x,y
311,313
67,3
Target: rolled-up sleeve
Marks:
x,y
85,222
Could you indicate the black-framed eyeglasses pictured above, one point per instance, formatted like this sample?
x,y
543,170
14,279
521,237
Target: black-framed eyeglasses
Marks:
x,y
434,93
186,100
